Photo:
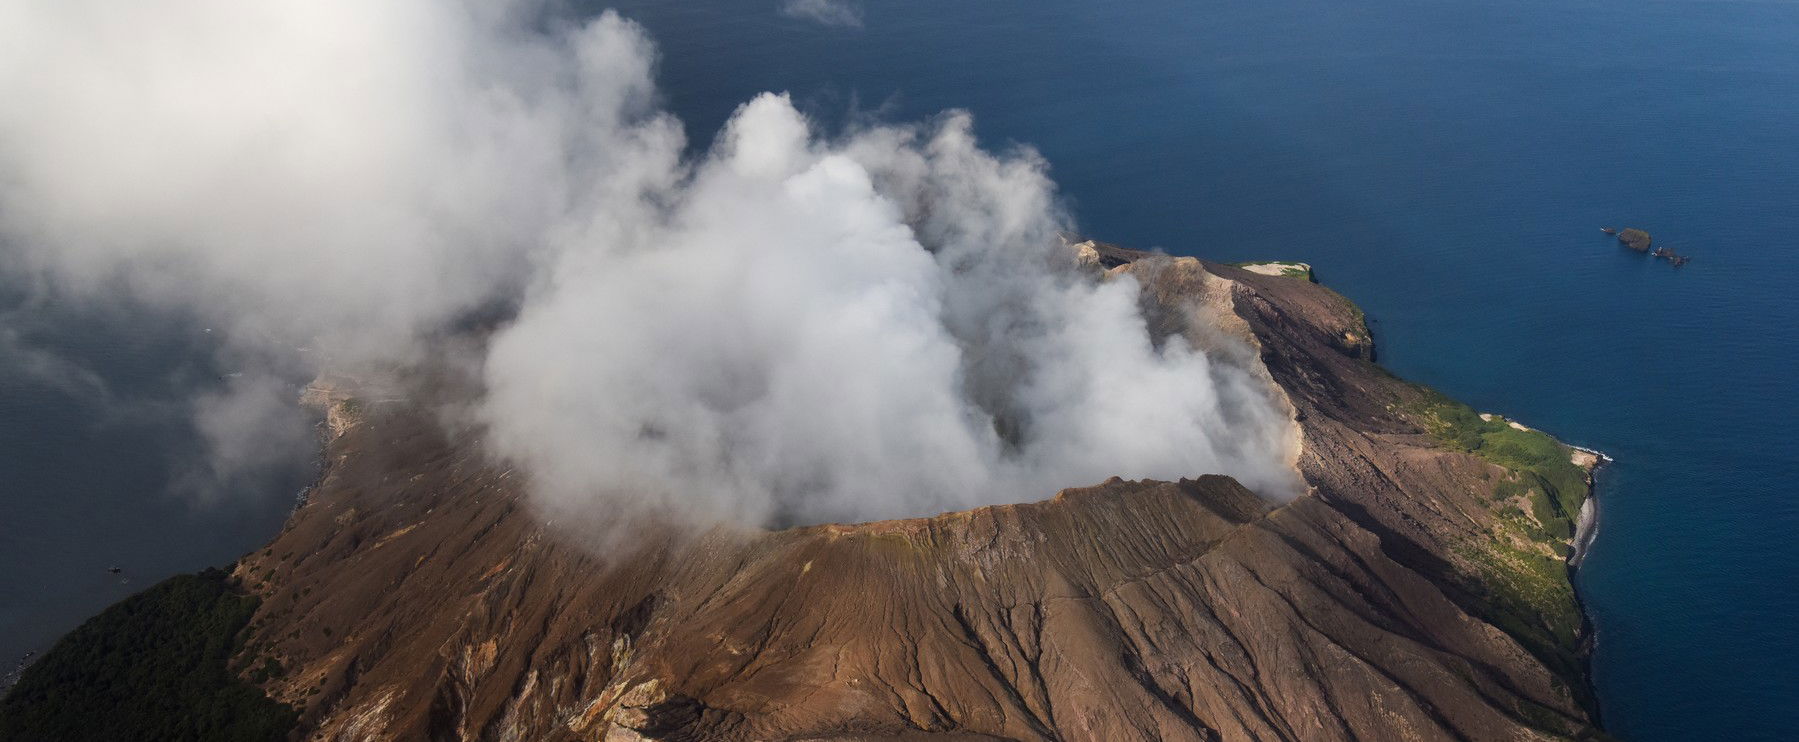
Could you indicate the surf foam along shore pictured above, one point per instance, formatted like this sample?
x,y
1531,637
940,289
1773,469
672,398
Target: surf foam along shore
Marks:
x,y
1587,527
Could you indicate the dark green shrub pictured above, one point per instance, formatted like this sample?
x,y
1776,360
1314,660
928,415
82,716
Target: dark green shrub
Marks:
x,y
155,666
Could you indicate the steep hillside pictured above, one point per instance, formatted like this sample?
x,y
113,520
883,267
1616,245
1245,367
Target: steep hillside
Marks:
x,y
1416,590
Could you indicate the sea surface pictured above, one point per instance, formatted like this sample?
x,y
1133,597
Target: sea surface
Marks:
x,y
1445,164
100,465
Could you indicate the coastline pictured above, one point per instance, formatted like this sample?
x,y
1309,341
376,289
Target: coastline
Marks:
x,y
1586,531
1586,524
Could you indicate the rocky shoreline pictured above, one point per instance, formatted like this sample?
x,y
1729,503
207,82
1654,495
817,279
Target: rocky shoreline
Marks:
x,y
1586,528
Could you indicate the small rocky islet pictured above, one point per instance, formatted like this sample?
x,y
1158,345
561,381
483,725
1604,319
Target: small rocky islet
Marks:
x,y
1639,240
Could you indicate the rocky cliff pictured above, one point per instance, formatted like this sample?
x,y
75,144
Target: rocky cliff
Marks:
x,y
1417,590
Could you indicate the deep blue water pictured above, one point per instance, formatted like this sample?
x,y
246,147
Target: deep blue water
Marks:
x,y
97,466
1445,164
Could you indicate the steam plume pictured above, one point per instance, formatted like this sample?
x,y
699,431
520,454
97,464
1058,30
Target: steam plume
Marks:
x,y
785,327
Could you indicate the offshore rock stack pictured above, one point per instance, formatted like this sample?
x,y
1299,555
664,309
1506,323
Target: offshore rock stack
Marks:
x,y
1635,239
1639,240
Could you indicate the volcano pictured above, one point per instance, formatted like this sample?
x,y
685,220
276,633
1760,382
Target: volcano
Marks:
x,y
1417,589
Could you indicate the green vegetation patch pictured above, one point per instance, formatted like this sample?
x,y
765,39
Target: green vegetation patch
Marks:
x,y
1287,269
1540,461
155,666
1531,594
1524,584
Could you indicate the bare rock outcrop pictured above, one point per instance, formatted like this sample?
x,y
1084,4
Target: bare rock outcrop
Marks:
x,y
1635,239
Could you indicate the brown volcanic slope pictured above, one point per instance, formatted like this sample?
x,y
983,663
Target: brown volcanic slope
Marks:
x,y
415,596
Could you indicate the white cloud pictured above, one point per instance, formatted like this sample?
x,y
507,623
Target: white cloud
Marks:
x,y
787,327
843,13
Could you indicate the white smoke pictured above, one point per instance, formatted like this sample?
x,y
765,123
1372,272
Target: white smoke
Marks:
x,y
825,12
787,327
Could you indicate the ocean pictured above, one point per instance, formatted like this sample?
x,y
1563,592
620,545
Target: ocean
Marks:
x,y
1446,165
99,466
